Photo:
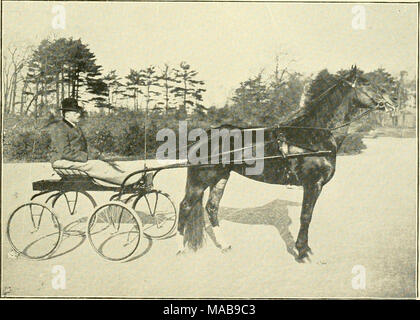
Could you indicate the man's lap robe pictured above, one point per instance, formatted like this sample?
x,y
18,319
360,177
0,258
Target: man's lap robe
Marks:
x,y
97,169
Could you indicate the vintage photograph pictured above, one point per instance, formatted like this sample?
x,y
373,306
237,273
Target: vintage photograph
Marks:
x,y
209,150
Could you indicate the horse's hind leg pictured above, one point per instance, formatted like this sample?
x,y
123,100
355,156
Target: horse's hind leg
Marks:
x,y
311,193
212,208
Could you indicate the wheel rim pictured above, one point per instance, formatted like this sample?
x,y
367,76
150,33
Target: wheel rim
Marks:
x,y
33,231
157,213
114,231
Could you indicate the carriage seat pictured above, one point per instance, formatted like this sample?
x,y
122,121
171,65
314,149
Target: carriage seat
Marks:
x,y
70,174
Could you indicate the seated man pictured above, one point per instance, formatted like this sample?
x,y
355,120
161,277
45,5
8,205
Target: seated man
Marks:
x,y
70,149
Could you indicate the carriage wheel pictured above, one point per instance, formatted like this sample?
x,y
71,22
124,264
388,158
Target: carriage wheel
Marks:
x,y
114,231
34,231
77,203
157,213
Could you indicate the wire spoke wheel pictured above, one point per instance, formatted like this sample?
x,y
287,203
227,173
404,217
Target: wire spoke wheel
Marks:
x,y
157,213
74,203
34,231
114,231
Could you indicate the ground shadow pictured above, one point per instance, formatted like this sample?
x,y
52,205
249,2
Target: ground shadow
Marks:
x,y
68,244
144,250
73,237
275,213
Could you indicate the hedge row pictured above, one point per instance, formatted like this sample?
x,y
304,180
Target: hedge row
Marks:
x,y
118,136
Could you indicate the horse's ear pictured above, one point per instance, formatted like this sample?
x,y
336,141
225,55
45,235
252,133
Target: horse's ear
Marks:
x,y
353,71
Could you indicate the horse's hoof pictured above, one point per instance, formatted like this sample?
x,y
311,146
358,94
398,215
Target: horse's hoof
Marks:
x,y
303,250
180,252
227,249
304,259
303,254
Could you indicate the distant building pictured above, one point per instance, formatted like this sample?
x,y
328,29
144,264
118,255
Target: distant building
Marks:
x,y
408,112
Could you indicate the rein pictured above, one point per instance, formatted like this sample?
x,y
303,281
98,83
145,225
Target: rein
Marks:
x,y
355,119
322,95
327,129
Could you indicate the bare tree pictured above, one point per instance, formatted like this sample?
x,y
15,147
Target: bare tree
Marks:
x,y
15,60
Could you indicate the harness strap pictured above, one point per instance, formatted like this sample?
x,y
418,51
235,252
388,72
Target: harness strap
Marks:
x,y
355,119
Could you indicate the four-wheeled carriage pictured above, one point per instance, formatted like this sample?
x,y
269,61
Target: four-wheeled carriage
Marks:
x,y
114,229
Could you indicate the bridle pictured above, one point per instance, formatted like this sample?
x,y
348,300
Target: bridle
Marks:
x,y
379,105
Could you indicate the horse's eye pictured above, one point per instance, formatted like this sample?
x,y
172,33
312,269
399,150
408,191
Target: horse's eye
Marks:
x,y
381,104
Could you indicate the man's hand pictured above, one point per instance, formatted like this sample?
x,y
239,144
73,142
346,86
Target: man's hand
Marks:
x,y
95,154
113,164
99,156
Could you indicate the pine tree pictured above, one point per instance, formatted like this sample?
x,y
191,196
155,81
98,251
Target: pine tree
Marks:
x,y
166,81
63,67
188,89
149,81
133,84
115,87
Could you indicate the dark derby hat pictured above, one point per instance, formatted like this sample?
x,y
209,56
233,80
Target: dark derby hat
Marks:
x,y
70,104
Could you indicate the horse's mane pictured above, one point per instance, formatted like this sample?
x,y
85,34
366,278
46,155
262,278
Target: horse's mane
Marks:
x,y
323,94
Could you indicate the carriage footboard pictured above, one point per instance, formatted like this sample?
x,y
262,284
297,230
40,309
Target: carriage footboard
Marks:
x,y
79,184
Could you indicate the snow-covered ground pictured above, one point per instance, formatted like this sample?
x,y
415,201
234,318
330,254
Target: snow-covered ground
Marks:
x,y
365,216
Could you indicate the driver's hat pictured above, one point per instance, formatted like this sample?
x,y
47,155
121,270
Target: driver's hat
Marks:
x,y
70,104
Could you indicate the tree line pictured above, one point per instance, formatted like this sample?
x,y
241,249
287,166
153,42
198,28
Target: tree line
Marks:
x,y
35,80
61,68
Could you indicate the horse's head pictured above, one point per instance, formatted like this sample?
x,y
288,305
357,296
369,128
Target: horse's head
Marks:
x,y
367,95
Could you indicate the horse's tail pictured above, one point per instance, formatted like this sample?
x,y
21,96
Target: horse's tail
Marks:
x,y
194,224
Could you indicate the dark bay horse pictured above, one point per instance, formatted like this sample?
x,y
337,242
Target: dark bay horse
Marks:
x,y
332,102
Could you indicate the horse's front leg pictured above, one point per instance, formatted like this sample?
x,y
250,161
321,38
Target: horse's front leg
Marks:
x,y
212,208
311,193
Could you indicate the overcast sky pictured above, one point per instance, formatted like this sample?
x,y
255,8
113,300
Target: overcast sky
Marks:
x,y
226,42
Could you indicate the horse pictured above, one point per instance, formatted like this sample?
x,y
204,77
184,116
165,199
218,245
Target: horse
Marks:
x,y
331,104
